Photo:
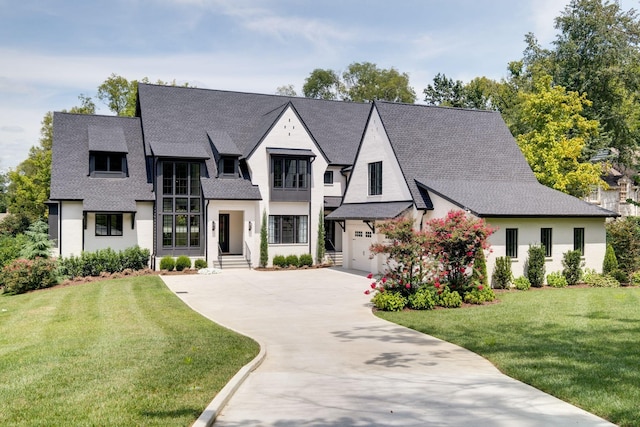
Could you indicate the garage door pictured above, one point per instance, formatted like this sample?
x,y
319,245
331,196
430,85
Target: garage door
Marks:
x,y
360,243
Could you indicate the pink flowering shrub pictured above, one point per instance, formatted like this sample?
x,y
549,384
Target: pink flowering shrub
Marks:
x,y
446,259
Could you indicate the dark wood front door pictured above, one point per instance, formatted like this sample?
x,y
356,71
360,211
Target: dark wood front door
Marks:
x,y
223,232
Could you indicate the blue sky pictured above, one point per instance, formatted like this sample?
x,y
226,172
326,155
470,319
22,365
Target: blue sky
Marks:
x,y
51,51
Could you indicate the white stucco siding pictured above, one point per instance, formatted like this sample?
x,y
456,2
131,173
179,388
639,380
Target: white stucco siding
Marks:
x,y
144,225
336,189
376,147
70,233
243,214
289,132
562,240
441,207
93,243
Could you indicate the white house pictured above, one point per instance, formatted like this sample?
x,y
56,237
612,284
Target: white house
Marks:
x,y
194,172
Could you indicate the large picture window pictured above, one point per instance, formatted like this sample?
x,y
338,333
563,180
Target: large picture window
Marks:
x,y
288,229
181,214
290,173
108,224
375,178
512,242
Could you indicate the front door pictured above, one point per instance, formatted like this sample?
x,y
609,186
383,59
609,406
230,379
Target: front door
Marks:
x,y
329,236
223,232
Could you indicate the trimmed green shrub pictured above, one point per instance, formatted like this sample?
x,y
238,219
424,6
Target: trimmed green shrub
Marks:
x,y
292,260
279,261
134,258
480,275
572,267
306,259
620,276
596,280
183,262
320,249
104,260
422,299
556,280
502,275
200,263
610,262
23,275
479,296
449,299
389,301
522,283
167,263
264,242
534,267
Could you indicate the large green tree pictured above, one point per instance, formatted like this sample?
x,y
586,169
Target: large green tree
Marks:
x,y
555,137
361,82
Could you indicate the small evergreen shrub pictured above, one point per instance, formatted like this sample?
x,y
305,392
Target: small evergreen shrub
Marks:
x,y
389,301
422,299
449,299
38,244
135,258
293,261
480,269
279,261
104,260
167,263
23,275
183,262
479,296
264,242
534,267
522,283
502,275
200,263
610,262
620,276
306,259
556,280
572,267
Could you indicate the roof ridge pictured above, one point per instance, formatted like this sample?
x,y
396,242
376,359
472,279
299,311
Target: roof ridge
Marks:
x,y
442,107
67,113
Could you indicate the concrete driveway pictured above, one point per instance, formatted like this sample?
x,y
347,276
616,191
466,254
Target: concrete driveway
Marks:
x,y
331,362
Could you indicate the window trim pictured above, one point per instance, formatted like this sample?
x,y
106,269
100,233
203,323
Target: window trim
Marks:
x,y
111,229
546,233
511,243
375,178
328,178
298,189
579,244
108,172
300,230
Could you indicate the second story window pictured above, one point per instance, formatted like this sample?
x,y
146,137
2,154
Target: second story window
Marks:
x,y
290,173
106,164
328,177
228,166
375,178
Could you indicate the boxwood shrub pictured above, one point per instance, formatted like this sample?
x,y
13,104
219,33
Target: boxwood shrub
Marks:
x,y
183,262
167,263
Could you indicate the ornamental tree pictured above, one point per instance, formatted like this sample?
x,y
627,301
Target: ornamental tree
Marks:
x,y
454,242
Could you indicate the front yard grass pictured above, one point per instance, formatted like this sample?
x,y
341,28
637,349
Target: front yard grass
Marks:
x,y
580,345
116,352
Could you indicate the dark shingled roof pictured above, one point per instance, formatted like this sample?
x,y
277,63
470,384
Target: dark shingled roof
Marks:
x,y
110,139
470,158
373,210
179,115
70,178
332,202
223,143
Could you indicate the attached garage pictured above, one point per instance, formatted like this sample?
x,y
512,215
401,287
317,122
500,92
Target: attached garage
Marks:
x,y
361,239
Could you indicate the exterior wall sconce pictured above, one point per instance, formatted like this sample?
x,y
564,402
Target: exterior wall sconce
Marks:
x,y
249,225
213,226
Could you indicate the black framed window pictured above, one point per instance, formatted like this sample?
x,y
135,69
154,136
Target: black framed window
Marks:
x,y
288,229
107,164
375,178
181,215
578,240
328,177
228,166
108,224
512,242
546,240
290,173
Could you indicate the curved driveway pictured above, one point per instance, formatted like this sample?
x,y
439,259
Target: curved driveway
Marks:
x,y
331,362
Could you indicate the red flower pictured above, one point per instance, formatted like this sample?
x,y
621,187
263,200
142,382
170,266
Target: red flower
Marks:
x,y
367,292
480,287
384,280
373,285
437,285
469,254
370,275
408,286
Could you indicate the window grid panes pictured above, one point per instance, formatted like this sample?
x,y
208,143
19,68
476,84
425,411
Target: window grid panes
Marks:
x,y
181,205
512,242
285,229
578,240
108,224
290,173
546,240
328,177
375,178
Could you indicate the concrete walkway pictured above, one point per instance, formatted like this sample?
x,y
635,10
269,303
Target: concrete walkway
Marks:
x,y
331,362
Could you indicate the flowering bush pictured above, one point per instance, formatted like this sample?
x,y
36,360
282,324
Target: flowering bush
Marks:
x,y
441,263
23,275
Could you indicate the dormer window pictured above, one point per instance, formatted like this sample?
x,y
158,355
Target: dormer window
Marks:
x,y
107,165
228,166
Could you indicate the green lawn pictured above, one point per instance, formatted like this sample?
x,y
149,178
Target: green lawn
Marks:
x,y
117,352
581,345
